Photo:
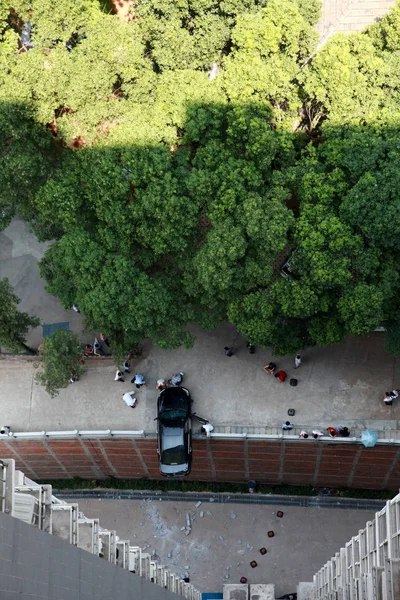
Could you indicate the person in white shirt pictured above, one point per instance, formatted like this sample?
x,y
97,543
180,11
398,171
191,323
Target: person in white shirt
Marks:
x,y
129,399
316,433
297,361
394,394
119,376
207,428
303,434
5,430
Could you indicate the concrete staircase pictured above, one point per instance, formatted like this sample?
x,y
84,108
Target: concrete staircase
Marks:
x,y
35,504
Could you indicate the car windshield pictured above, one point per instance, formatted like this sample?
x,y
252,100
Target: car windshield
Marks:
x,y
174,456
173,414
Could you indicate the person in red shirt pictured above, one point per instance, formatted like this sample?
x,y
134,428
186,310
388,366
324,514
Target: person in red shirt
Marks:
x,y
281,375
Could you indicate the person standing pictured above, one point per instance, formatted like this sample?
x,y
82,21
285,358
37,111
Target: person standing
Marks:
x,y
207,428
119,376
394,394
229,350
297,361
129,399
127,363
139,380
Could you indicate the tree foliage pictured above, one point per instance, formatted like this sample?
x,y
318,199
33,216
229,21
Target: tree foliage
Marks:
x,y
14,325
178,160
59,355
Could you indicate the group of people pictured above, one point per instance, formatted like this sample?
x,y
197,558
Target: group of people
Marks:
x,y
281,375
333,432
139,380
97,348
390,396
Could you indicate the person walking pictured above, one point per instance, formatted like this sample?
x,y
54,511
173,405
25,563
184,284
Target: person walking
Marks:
x,y
270,368
76,308
129,399
394,394
206,429
303,434
286,426
316,433
228,350
119,376
138,380
281,375
297,361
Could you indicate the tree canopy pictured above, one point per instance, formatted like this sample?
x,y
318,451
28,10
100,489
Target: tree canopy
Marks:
x,y
178,160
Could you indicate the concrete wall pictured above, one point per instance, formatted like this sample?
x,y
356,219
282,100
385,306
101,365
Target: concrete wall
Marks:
x,y
305,462
34,564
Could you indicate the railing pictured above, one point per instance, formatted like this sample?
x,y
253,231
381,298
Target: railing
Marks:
x,y
386,436
365,563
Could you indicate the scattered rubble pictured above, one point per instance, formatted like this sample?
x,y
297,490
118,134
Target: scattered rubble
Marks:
x,y
198,504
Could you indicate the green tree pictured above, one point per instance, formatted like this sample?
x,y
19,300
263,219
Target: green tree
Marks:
x,y
59,355
14,325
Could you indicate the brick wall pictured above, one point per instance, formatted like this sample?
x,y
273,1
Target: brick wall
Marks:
x,y
299,463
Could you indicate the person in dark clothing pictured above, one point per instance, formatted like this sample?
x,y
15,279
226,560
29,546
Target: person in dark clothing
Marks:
x,y
228,350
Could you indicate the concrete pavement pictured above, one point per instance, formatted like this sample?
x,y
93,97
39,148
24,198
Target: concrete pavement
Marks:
x,y
340,384
222,544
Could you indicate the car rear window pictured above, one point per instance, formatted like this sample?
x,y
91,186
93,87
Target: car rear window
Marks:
x,y
174,456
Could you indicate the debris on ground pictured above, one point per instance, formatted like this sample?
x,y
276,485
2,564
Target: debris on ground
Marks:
x,y
221,537
198,504
209,513
233,516
201,514
239,542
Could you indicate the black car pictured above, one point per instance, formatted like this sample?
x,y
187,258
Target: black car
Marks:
x,y
174,416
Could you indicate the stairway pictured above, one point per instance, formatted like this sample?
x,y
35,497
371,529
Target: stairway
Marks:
x,y
35,504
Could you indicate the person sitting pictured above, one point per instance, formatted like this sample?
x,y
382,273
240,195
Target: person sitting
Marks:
x,y
332,431
303,434
281,375
97,349
286,426
270,368
89,350
394,394
343,431
176,379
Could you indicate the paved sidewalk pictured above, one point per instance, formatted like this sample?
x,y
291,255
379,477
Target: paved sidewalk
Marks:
x,y
340,384
343,383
